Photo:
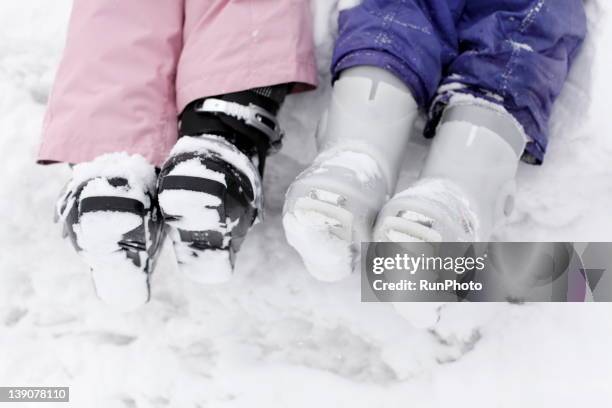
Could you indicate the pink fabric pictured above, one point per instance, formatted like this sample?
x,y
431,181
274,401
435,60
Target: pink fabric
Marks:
x,y
131,66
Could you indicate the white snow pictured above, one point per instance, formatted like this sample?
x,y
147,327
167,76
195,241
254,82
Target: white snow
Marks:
x,y
210,267
122,285
273,336
518,46
417,217
451,86
328,197
229,153
327,257
134,168
197,210
364,166
99,232
194,168
396,236
445,198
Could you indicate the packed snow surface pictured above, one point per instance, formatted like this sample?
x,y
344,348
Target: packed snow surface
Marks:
x,y
273,336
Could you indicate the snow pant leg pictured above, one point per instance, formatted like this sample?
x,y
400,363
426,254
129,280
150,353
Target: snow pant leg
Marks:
x,y
235,45
516,53
411,38
114,90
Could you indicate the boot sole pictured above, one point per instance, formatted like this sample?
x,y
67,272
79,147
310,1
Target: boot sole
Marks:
x,y
185,210
118,282
322,233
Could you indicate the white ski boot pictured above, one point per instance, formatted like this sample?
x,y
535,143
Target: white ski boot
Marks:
x,y
109,213
332,205
467,186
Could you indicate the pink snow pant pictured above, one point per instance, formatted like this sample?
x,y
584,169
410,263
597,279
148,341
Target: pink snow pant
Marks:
x,y
131,66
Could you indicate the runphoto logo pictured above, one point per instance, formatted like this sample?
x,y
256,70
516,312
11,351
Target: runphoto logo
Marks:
x,y
412,264
486,272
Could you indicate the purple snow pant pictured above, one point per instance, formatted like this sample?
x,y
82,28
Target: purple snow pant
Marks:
x,y
516,53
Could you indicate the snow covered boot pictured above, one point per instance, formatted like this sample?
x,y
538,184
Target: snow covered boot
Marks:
x,y
331,207
110,216
467,186
209,189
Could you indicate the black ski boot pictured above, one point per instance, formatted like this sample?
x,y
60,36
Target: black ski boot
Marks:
x,y
209,189
109,214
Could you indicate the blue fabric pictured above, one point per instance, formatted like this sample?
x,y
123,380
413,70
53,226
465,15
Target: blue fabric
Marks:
x,y
516,53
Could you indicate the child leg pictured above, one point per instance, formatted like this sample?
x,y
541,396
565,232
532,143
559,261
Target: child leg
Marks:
x,y
232,46
239,61
331,207
498,96
388,58
114,92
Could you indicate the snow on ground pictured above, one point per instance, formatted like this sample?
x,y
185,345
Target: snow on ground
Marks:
x,y
275,337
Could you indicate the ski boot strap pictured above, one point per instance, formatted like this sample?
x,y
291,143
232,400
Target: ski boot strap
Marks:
x,y
246,119
252,115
